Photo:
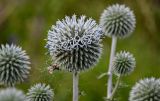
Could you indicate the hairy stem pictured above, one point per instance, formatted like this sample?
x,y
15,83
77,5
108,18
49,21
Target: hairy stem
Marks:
x,y
109,84
115,88
75,86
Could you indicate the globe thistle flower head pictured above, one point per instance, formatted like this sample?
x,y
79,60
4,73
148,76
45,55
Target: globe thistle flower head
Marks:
x,y
40,92
146,90
117,20
14,65
11,94
123,64
75,43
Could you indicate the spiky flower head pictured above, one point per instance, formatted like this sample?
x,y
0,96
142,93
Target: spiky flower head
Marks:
x,y
40,92
124,63
14,65
75,43
11,94
146,90
117,20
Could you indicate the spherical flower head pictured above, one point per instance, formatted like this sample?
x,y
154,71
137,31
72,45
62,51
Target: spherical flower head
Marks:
x,y
117,20
40,92
75,43
146,90
14,65
11,94
123,64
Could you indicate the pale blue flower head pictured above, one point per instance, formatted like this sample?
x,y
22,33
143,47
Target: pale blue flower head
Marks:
x,y
118,20
123,63
146,90
14,65
40,92
74,42
11,94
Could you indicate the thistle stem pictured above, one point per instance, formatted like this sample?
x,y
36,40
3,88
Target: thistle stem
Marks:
x,y
109,84
75,86
115,88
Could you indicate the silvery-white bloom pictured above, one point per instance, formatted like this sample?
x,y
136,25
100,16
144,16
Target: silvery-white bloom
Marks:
x,y
40,92
117,20
11,94
124,63
14,65
146,90
75,43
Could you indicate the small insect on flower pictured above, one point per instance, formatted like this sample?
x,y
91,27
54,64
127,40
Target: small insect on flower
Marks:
x,y
52,68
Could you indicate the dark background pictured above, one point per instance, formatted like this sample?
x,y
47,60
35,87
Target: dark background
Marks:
x,y
26,22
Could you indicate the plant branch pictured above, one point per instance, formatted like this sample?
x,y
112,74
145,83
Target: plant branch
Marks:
x,y
115,88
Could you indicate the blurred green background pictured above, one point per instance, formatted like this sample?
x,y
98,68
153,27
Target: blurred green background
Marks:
x,y
26,22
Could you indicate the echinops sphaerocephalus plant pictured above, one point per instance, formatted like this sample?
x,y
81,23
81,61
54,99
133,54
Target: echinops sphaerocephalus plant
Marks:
x,y
75,43
123,63
40,92
117,20
11,94
147,89
14,65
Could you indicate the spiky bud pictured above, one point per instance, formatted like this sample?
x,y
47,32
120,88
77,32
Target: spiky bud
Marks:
x,y
146,90
123,63
11,94
75,43
117,20
14,65
40,92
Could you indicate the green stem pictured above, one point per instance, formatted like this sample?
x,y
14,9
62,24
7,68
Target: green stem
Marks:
x,y
115,88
